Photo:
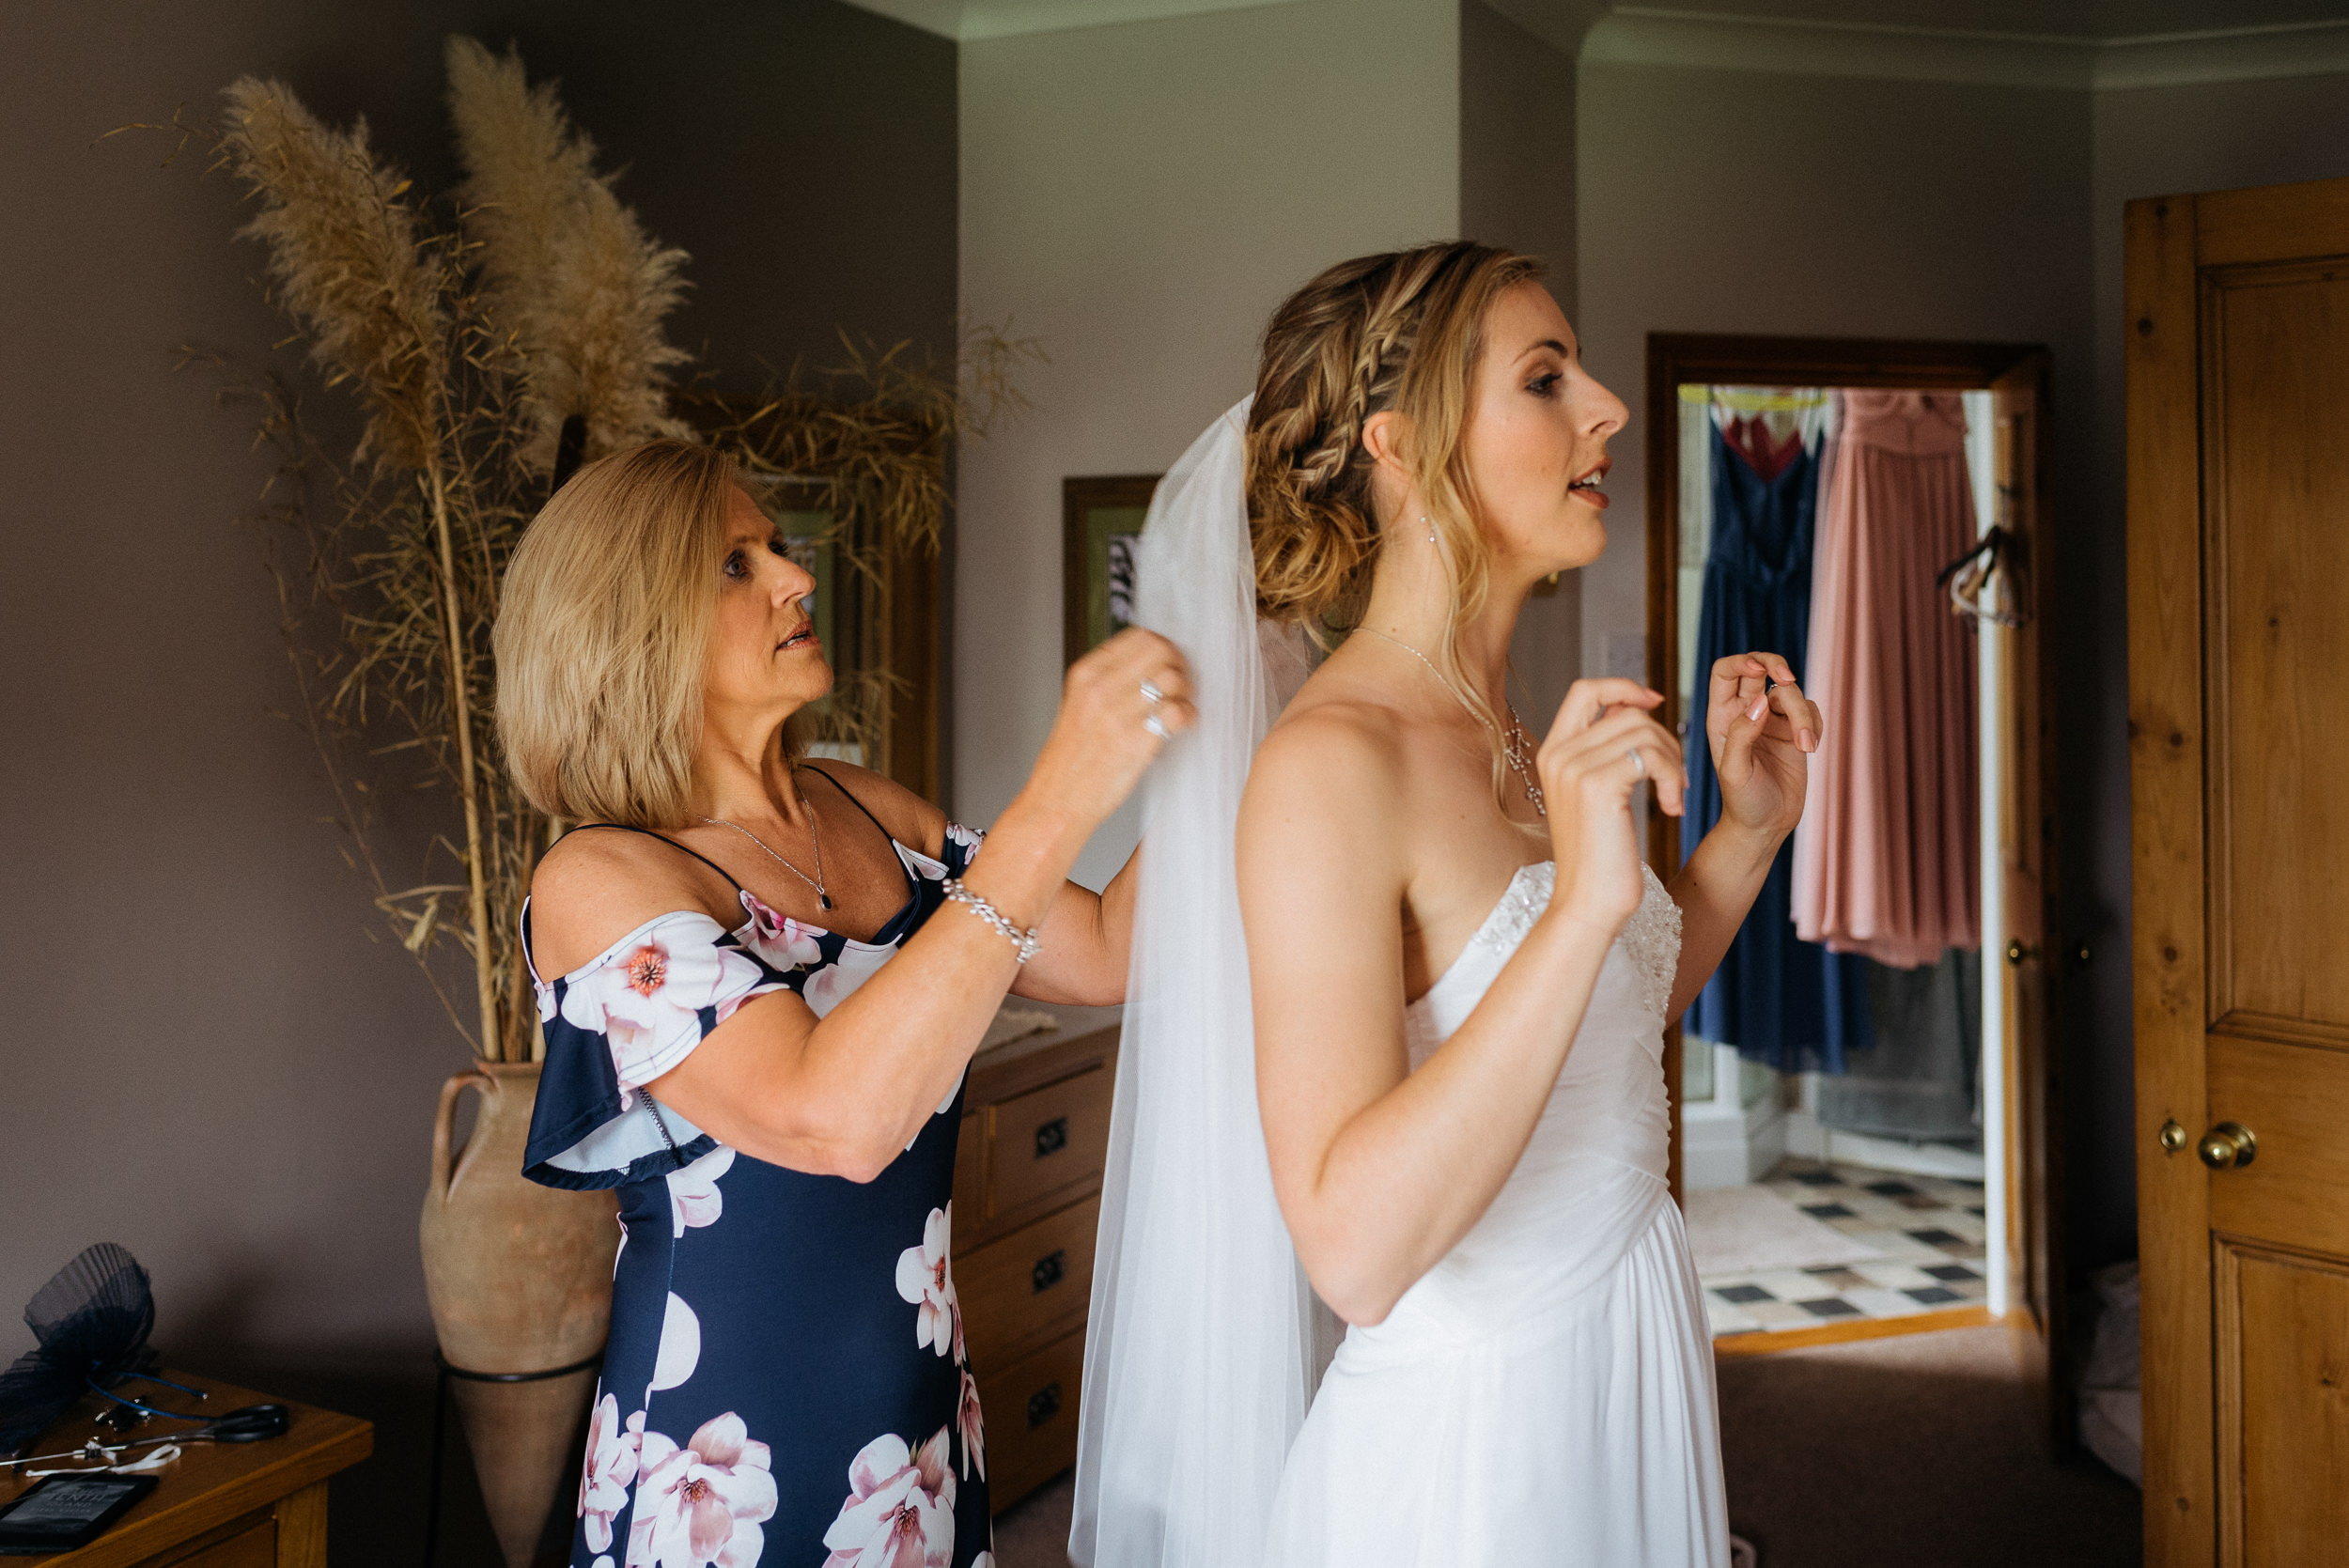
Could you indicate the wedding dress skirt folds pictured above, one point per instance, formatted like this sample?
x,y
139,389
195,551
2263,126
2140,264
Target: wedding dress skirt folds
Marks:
x,y
1544,1394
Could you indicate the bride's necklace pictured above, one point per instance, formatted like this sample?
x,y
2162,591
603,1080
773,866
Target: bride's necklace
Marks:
x,y
823,899
1516,747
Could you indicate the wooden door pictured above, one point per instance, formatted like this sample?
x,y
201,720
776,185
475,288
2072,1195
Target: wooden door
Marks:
x,y
2035,959
2238,420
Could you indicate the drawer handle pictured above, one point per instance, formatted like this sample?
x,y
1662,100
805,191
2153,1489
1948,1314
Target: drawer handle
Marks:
x,y
1043,1406
1053,1137
1049,1271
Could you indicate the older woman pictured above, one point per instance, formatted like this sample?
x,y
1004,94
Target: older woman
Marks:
x,y
761,982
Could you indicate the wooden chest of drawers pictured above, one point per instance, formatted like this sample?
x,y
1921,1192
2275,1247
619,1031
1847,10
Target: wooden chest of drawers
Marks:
x,y
1027,1199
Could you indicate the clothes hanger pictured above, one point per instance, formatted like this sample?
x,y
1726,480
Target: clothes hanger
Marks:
x,y
1991,565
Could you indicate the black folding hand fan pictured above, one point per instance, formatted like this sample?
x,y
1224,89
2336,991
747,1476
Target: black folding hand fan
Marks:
x,y
91,1321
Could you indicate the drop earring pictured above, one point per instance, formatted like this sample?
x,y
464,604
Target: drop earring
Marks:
x,y
1431,527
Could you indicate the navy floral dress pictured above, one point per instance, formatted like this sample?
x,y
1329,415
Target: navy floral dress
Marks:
x,y
786,1379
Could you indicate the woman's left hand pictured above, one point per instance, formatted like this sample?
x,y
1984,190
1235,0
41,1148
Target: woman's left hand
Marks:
x,y
1760,728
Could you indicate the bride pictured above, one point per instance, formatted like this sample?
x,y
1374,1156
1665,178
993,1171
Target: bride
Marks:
x,y
1428,1092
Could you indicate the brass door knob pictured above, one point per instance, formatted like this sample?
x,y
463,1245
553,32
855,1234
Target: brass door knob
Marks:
x,y
2172,1137
2019,949
2227,1147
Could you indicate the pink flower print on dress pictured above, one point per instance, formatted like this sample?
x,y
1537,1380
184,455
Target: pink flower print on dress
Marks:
x,y
974,1427
611,1467
831,986
702,1503
901,1511
647,1000
957,833
780,941
925,1278
694,1199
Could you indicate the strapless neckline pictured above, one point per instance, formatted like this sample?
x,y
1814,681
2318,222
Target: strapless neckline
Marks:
x,y
1512,915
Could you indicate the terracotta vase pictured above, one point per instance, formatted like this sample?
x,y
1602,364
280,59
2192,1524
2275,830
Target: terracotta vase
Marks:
x,y
520,1278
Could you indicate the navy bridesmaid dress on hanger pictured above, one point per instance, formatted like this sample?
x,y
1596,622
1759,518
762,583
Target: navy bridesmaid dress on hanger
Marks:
x,y
1784,1002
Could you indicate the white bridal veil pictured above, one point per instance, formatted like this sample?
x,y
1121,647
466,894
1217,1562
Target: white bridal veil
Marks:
x,y
1200,1347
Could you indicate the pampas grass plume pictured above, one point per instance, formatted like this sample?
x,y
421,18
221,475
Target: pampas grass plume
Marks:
x,y
348,261
572,271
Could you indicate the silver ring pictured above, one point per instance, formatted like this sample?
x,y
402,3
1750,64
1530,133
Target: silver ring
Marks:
x,y
1151,695
1638,763
1155,725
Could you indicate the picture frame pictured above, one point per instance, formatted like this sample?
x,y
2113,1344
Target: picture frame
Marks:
x,y
1101,521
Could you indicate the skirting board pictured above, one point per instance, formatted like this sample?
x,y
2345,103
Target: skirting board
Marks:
x,y
1807,1137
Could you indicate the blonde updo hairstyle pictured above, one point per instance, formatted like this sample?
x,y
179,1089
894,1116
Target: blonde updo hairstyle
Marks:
x,y
602,632
1403,331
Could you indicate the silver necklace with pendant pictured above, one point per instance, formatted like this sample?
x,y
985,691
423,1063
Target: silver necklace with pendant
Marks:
x,y
1515,750
823,899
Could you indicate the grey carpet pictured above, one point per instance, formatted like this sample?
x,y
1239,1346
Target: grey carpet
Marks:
x,y
1922,1451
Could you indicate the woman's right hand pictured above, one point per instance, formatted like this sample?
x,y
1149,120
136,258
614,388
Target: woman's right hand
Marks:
x,y
1603,746
1102,741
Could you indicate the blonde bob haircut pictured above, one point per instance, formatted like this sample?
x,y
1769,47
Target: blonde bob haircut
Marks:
x,y
602,632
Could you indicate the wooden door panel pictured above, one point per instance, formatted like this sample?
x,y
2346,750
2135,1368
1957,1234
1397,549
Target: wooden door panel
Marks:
x,y
2271,223
2276,454
2295,1099
2238,417
2283,1405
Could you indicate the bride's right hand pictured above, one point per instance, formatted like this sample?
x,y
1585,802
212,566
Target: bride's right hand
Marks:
x,y
1101,742
1603,746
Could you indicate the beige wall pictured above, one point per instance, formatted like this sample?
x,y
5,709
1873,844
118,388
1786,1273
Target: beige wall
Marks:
x,y
1516,189
1739,202
1140,198
208,1056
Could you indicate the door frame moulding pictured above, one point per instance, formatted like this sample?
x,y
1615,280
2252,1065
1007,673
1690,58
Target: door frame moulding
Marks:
x,y
2033,1238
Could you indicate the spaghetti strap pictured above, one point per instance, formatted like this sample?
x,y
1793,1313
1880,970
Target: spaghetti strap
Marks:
x,y
868,816
852,800
622,827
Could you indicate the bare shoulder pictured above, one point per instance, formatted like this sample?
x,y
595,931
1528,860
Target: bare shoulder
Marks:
x,y
1338,738
910,820
1334,771
597,885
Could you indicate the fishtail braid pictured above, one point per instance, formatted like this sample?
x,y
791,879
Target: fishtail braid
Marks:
x,y
1342,348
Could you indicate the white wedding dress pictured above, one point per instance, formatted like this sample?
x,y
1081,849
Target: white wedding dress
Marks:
x,y
1544,1394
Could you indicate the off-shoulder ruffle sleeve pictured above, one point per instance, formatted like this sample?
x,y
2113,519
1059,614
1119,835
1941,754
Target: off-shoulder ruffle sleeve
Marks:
x,y
617,1025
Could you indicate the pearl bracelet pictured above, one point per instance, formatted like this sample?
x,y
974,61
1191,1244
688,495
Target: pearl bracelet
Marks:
x,y
1027,941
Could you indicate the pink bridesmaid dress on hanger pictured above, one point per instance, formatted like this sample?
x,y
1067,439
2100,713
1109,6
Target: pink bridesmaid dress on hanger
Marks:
x,y
1887,858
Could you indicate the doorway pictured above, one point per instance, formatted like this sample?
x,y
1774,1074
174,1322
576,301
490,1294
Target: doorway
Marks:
x,y
1861,1136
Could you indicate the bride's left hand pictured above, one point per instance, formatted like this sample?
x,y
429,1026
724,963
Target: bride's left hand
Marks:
x,y
1759,727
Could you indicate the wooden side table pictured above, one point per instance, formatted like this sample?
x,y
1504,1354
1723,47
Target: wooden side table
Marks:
x,y
220,1505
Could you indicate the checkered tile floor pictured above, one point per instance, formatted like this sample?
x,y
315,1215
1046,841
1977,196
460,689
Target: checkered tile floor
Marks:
x,y
1928,1231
